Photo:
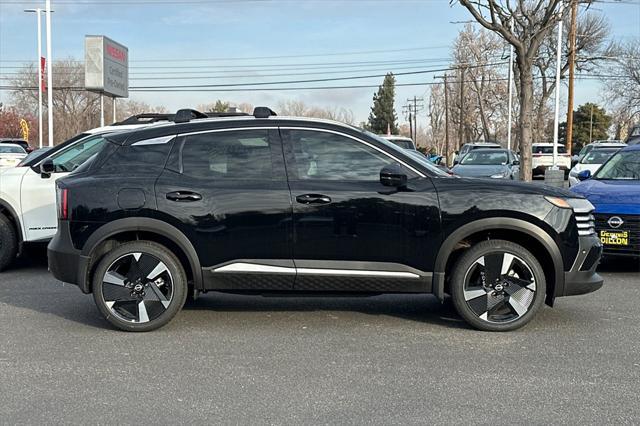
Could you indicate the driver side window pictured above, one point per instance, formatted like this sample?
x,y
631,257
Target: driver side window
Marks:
x,y
72,157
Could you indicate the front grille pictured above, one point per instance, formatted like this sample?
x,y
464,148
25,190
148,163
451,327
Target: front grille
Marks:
x,y
586,222
631,224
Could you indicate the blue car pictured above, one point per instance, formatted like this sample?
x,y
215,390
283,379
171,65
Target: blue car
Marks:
x,y
615,192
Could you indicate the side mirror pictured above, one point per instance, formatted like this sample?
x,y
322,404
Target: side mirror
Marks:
x,y
584,175
457,152
516,162
456,162
393,175
46,168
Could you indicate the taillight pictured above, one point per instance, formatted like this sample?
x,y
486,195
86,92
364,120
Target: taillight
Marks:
x,y
63,203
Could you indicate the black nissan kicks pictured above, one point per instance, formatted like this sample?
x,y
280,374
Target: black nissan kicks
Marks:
x,y
265,204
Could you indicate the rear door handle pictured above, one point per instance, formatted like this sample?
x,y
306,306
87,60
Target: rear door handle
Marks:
x,y
313,199
183,196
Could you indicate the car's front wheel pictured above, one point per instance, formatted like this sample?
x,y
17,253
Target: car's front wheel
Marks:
x,y
8,242
497,285
139,286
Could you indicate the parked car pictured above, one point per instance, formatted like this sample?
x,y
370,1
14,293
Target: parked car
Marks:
x,y
542,158
401,141
266,205
596,145
592,162
614,190
634,136
468,147
27,192
11,155
16,141
489,163
423,158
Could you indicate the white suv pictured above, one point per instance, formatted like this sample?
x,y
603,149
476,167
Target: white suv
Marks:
x,y
542,158
28,196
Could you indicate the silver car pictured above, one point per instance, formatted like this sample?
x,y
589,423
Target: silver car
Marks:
x,y
489,163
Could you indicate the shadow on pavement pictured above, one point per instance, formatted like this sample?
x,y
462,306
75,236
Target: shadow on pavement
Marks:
x,y
619,264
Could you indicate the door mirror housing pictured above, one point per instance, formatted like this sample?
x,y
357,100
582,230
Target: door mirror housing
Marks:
x,y
47,168
584,175
516,162
393,175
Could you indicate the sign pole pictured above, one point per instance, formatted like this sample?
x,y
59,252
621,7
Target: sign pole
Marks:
x,y
49,74
557,107
101,109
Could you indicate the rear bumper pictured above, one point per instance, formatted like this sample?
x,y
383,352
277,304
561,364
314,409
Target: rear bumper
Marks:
x,y
583,278
66,262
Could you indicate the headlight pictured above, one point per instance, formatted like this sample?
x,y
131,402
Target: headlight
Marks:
x,y
499,175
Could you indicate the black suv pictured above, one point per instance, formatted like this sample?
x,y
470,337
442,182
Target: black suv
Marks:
x,y
266,204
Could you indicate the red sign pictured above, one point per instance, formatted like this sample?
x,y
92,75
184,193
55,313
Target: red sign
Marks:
x,y
43,68
117,54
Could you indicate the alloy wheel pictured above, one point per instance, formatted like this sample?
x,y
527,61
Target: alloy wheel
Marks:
x,y
137,287
499,287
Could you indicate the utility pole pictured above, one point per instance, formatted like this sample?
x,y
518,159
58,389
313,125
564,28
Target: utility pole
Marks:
x,y
591,125
572,64
460,124
411,109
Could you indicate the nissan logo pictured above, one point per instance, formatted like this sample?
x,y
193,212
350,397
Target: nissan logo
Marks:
x,y
615,222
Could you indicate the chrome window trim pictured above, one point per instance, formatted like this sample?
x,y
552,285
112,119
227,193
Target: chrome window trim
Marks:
x,y
315,129
154,141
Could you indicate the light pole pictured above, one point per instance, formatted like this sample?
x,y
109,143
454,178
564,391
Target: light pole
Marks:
x,y
49,73
510,101
38,12
557,106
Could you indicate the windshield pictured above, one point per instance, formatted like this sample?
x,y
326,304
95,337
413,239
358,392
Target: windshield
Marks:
x,y
485,158
76,154
624,165
548,149
423,161
598,156
11,149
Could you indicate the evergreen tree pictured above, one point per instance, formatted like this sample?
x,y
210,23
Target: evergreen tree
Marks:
x,y
584,125
383,115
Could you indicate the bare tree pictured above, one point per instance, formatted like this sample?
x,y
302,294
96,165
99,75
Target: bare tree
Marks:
x,y
623,84
592,49
300,109
533,21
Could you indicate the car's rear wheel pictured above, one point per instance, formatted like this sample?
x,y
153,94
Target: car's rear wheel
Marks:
x,y
8,242
497,286
139,286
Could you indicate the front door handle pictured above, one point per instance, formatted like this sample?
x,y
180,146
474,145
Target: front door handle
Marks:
x,y
313,199
183,196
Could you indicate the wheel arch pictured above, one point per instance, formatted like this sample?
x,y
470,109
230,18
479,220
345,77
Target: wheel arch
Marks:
x,y
128,229
538,241
10,213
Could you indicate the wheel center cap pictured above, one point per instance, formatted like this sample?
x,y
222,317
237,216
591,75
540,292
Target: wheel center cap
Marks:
x,y
499,287
138,288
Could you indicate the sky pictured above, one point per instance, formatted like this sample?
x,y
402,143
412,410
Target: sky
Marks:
x,y
201,42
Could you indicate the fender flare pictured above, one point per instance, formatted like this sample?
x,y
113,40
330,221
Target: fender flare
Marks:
x,y
500,223
147,225
13,216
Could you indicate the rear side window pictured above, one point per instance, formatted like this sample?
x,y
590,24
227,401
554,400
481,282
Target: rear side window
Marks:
x,y
232,155
139,158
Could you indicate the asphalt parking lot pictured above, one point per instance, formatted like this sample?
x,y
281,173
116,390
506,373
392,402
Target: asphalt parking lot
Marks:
x,y
386,359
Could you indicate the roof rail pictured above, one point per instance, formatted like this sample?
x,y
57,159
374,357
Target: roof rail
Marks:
x,y
263,112
145,118
186,115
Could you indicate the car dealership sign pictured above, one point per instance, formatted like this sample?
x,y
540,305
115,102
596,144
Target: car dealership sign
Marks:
x,y
106,66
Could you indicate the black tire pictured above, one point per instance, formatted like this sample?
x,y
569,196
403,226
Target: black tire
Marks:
x,y
145,287
8,242
510,300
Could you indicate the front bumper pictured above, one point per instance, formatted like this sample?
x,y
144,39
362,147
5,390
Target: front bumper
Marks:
x,y
66,263
583,278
